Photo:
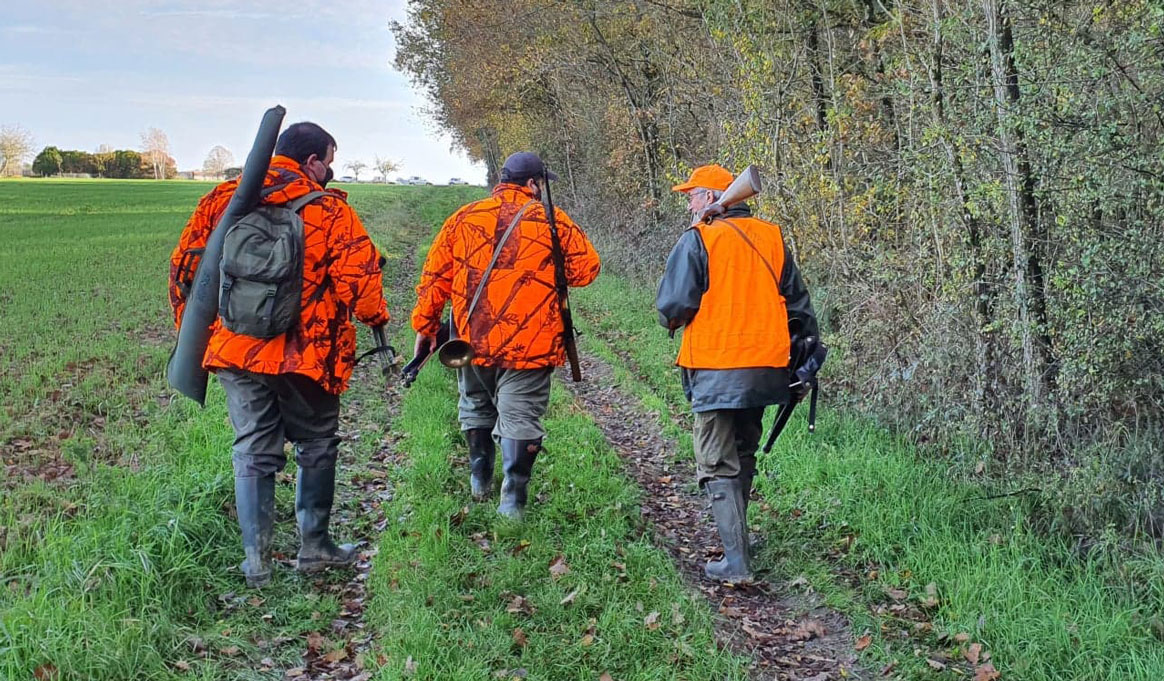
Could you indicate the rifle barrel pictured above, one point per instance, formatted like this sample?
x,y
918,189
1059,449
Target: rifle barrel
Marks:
x,y
561,284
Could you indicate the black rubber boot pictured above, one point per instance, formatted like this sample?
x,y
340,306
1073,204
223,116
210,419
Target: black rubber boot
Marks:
x,y
747,475
254,499
727,505
482,455
517,460
314,494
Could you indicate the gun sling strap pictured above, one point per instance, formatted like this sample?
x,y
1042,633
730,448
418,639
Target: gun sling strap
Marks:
x,y
785,412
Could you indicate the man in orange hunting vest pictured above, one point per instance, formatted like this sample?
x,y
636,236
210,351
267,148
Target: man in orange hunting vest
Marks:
x,y
733,287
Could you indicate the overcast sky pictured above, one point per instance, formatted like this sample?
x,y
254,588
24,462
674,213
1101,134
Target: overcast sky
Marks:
x,y
82,73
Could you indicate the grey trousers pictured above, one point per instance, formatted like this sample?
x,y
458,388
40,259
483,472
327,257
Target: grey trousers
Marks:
x,y
725,440
511,402
268,409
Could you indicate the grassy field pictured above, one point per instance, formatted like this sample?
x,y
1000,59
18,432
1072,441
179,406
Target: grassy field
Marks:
x,y
117,543
117,539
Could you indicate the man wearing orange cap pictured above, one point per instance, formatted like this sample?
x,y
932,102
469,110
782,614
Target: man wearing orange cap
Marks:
x,y
733,286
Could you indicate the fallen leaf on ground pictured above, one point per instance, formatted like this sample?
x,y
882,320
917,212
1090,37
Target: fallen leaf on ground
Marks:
x,y
864,641
558,567
676,616
182,665
296,671
409,666
973,653
569,597
520,604
315,641
896,594
935,664
605,677
986,672
267,662
652,620
229,651
809,630
587,640
961,637
336,655
520,638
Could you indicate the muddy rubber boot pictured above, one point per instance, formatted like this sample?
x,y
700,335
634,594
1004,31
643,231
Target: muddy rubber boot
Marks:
x,y
254,499
727,505
747,475
517,460
314,494
482,454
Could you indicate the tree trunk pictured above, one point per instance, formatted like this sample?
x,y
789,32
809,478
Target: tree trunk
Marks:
x,y
985,398
1023,218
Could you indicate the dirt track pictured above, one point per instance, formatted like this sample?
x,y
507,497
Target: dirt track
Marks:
x,y
789,636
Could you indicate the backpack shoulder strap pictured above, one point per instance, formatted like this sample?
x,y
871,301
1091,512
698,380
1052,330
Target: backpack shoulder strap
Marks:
x,y
297,205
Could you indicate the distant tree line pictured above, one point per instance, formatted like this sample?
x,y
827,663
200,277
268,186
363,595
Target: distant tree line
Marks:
x,y
113,163
974,189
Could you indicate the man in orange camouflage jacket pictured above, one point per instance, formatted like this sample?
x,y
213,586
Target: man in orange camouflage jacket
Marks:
x,y
288,387
515,327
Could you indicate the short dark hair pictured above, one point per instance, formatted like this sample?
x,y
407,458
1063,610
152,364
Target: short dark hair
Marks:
x,y
300,140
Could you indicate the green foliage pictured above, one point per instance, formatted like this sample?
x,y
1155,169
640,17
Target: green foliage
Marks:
x,y
976,200
47,162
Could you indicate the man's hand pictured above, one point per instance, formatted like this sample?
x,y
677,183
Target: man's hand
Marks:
x,y
712,211
425,345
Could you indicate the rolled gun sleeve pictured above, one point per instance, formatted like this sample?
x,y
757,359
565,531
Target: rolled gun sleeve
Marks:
x,y
684,282
801,316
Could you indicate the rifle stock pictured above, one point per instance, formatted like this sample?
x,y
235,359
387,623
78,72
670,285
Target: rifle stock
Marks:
x,y
560,283
746,185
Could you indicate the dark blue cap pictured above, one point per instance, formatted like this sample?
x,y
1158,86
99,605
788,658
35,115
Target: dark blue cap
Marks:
x,y
522,166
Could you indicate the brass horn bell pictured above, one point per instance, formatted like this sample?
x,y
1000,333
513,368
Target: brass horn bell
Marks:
x,y
455,353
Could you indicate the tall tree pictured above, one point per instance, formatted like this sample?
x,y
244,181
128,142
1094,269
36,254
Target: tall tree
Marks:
x,y
155,147
356,166
16,145
217,161
47,162
385,166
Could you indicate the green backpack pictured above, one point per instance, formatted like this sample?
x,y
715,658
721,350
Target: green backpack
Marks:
x,y
262,269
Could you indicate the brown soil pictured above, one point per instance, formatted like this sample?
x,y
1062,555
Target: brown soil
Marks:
x,y
788,633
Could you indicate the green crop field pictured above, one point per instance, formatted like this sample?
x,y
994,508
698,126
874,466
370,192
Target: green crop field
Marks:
x,y
117,540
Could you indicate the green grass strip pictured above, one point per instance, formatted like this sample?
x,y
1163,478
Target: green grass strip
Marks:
x,y
448,577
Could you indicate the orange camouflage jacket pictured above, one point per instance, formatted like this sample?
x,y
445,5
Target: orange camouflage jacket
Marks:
x,y
517,323
341,277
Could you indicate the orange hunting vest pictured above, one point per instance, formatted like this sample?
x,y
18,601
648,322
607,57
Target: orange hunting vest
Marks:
x,y
742,321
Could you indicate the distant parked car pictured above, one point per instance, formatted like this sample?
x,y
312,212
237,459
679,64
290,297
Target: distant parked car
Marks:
x,y
456,180
347,178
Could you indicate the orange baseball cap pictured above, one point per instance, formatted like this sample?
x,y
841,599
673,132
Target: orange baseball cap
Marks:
x,y
714,177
